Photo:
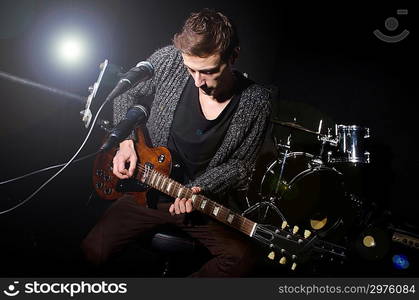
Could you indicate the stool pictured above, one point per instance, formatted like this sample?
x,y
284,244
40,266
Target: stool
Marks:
x,y
171,242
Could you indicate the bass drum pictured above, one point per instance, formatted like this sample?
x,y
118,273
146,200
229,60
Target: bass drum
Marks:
x,y
309,194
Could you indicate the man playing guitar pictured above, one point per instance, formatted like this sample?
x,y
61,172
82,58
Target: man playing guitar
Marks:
x,y
213,119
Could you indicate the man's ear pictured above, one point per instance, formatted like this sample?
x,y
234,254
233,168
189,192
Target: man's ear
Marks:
x,y
234,55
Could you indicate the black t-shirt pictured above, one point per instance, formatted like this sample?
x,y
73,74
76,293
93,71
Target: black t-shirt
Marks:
x,y
194,139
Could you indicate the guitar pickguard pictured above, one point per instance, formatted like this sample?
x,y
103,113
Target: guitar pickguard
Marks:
x,y
130,186
109,187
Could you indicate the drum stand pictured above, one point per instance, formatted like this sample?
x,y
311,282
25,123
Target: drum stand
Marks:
x,y
271,202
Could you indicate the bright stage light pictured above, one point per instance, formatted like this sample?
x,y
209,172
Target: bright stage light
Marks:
x,y
70,50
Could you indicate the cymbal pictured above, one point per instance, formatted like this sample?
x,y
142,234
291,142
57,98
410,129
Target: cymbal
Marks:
x,y
294,126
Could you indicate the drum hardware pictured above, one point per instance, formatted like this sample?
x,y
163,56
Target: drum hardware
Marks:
x,y
407,238
285,154
294,125
267,204
245,189
350,145
368,241
325,139
372,244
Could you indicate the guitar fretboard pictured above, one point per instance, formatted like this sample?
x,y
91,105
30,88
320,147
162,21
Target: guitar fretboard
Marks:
x,y
211,208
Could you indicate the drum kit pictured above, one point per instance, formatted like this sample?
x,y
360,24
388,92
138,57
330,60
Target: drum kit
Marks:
x,y
309,189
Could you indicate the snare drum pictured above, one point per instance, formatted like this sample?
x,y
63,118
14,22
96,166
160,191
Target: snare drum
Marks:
x,y
350,145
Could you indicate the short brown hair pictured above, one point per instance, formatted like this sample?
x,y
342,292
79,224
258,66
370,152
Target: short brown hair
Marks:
x,y
205,33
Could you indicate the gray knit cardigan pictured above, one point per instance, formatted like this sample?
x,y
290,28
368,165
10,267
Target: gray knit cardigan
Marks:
x,y
236,157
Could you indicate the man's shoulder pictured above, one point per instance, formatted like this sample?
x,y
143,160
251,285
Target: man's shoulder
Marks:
x,y
167,52
258,94
166,60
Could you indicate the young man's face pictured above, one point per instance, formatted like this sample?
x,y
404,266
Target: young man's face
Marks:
x,y
209,73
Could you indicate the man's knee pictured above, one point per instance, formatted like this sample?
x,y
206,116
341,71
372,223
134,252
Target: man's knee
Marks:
x,y
237,260
93,251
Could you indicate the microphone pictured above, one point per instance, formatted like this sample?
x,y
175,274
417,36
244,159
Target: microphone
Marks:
x,y
135,115
143,71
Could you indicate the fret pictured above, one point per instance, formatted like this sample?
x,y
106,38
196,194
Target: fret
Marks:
x,y
189,194
180,192
169,186
210,206
197,201
153,178
174,190
193,198
145,177
163,182
158,181
148,179
148,173
224,211
238,222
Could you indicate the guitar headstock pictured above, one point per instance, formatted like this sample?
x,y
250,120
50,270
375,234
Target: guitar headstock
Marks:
x,y
292,245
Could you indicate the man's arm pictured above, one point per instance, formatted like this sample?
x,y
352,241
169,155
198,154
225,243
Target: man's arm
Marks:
x,y
121,104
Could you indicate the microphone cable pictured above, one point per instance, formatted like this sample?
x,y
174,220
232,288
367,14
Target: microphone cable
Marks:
x,y
64,166
46,169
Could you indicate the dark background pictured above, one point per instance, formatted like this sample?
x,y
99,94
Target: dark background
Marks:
x,y
324,59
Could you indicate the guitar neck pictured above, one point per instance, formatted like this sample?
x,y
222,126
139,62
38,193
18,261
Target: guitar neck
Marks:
x,y
201,203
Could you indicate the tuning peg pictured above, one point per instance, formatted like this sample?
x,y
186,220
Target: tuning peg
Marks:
x,y
294,265
283,260
295,229
284,224
307,233
271,255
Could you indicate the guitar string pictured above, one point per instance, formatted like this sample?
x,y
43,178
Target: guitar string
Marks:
x,y
246,224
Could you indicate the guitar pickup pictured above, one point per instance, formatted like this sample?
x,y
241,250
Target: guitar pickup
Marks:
x,y
148,168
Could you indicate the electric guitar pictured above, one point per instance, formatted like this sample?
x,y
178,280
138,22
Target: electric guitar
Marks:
x,y
153,169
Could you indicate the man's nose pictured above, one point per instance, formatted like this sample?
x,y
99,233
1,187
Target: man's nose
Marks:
x,y
199,80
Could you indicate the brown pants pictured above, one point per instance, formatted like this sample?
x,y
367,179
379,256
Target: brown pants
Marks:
x,y
125,221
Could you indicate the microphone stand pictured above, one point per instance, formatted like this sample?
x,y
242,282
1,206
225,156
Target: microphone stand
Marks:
x,y
43,87
104,124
